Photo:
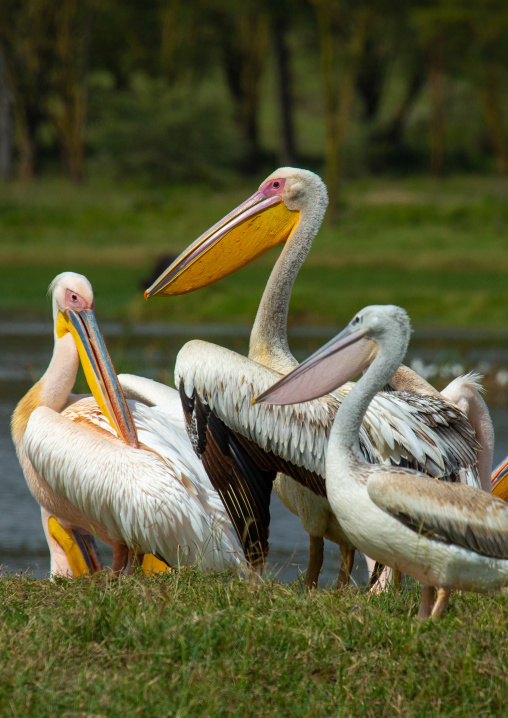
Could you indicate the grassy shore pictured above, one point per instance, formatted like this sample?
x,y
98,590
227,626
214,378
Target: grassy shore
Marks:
x,y
192,645
438,248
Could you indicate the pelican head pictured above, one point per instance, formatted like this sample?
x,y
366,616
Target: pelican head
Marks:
x,y
266,219
70,291
345,356
73,313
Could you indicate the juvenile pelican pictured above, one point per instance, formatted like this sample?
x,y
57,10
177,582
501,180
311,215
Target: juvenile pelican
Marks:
x,y
446,536
288,208
129,477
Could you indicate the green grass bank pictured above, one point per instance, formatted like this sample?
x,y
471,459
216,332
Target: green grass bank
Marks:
x,y
192,645
437,247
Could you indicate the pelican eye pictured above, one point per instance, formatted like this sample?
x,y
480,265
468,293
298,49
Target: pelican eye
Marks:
x,y
276,184
75,301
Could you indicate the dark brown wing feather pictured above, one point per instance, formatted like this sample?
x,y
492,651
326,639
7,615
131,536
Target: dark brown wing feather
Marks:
x,y
244,487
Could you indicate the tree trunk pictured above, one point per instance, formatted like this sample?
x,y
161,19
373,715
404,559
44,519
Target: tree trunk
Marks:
x,y
169,24
490,93
285,97
437,110
244,56
73,25
339,93
5,125
25,141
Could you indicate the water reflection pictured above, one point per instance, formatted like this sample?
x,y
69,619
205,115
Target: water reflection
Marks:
x,y
25,350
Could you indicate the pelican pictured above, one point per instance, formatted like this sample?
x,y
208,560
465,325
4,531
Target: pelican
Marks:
x,y
122,472
446,536
288,208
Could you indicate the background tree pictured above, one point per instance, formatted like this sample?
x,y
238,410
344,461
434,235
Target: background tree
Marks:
x,y
243,38
342,31
108,83
67,101
5,123
26,43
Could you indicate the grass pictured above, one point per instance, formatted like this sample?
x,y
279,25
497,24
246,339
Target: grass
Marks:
x,y
187,645
438,248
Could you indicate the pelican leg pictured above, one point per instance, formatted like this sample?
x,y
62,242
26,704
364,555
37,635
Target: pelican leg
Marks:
x,y
443,599
380,576
427,602
135,561
316,552
120,558
346,566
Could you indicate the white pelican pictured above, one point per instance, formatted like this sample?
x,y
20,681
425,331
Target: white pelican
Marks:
x,y
123,473
446,536
289,207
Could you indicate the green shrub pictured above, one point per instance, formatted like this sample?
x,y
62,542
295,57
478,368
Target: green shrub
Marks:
x,y
162,134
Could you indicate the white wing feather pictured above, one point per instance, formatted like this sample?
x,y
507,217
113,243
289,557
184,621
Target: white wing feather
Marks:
x,y
157,498
397,424
153,393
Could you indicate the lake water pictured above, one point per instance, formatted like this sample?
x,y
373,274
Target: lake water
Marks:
x,y
25,350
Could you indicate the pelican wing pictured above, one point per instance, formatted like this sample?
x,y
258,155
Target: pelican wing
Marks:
x,y
400,428
227,382
436,435
243,446
244,487
156,498
453,514
148,391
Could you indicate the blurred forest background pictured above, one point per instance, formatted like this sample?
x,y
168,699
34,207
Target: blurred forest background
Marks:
x,y
171,90
134,96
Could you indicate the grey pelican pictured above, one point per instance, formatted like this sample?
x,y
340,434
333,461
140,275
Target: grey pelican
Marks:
x,y
444,535
124,472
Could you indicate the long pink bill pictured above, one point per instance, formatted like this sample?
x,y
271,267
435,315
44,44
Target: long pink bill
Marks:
x,y
341,359
255,204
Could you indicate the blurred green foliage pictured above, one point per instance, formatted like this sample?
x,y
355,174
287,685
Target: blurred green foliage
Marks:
x,y
162,134
169,91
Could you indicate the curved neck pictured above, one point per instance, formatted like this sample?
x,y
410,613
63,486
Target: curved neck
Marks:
x,y
268,339
52,389
60,376
346,427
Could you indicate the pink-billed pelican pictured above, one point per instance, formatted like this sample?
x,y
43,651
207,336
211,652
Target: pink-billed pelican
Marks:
x,y
289,207
444,535
123,472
